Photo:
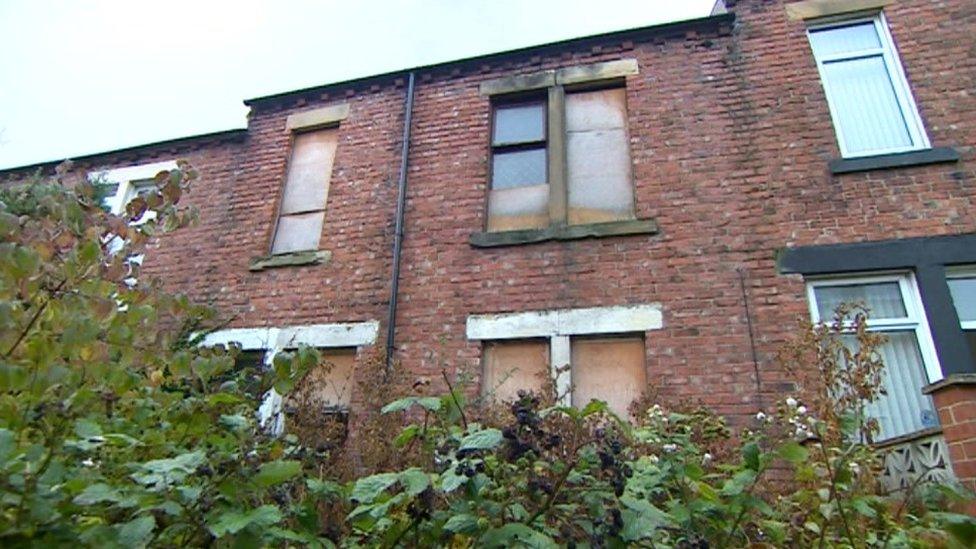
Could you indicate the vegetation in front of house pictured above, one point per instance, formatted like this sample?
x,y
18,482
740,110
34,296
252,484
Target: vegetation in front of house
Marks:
x,y
118,429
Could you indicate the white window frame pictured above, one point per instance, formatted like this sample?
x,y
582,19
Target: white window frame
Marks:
x,y
896,73
967,271
915,320
277,340
559,326
129,179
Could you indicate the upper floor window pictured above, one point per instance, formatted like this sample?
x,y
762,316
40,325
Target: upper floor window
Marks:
x,y
869,98
894,309
302,211
560,150
121,185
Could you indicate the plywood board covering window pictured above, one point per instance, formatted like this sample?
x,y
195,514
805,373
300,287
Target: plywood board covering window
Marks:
x,y
608,369
306,190
519,196
600,183
329,385
511,366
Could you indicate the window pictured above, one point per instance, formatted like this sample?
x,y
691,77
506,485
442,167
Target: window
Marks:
x,y
513,366
962,288
123,184
584,354
894,308
610,369
329,387
560,152
868,95
519,196
302,211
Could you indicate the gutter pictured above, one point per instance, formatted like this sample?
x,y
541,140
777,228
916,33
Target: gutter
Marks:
x,y
400,211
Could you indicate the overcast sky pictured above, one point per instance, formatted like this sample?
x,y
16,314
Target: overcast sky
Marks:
x,y
79,77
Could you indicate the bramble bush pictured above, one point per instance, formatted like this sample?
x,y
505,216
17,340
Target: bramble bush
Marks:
x,y
117,428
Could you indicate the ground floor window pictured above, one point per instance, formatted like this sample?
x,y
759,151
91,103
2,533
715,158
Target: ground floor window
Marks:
x,y
894,309
962,288
579,354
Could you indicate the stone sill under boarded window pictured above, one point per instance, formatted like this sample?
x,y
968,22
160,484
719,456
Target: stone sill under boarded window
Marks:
x,y
900,160
563,232
295,259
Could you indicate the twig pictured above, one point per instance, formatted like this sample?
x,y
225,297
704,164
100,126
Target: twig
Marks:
x,y
457,404
33,320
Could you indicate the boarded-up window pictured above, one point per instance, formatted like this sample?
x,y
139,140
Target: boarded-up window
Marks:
x,y
608,369
306,188
600,181
519,196
329,385
511,366
317,409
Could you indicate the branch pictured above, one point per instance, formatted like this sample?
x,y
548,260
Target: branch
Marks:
x,y
457,404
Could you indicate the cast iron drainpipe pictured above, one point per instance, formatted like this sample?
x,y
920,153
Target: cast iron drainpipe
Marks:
x,y
398,234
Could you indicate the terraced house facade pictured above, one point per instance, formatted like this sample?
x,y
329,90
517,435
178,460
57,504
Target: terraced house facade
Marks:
x,y
653,207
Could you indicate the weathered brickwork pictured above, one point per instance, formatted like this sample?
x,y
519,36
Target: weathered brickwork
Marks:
x,y
730,139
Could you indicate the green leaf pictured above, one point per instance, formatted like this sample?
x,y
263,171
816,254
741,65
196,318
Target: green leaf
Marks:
x,y
406,435
231,522
450,481
414,481
593,407
515,535
276,472
366,489
97,493
750,455
462,524
641,518
430,403
793,453
962,528
324,488
484,439
136,533
235,422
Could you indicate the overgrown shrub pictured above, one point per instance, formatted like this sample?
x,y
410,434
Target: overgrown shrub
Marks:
x,y
118,429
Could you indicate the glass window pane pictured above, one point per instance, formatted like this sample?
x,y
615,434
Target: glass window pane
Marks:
x,y
298,233
848,39
608,369
518,208
519,124
865,105
971,339
903,409
883,299
513,366
518,168
963,292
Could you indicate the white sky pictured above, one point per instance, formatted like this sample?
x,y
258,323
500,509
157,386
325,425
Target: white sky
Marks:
x,y
79,77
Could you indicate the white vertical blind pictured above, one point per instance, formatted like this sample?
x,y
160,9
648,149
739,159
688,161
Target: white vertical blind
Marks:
x,y
869,98
883,299
866,105
902,409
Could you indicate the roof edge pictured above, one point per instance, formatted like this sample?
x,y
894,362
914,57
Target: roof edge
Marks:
x,y
707,22
237,134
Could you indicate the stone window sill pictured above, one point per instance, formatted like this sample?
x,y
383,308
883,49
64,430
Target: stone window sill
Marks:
x,y
563,232
917,435
294,259
900,160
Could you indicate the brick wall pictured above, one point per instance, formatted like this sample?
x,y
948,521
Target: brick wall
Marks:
x,y
730,137
957,414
